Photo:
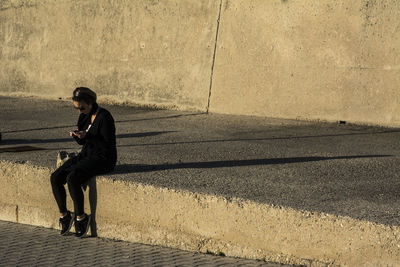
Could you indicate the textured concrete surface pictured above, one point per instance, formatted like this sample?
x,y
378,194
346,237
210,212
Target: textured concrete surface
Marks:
x,y
339,169
147,52
199,222
285,191
330,60
24,245
319,60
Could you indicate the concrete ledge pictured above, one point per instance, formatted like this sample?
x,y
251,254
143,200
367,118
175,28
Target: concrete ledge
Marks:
x,y
198,222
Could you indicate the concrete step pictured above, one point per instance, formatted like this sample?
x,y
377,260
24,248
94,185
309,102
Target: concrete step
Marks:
x,y
201,222
285,191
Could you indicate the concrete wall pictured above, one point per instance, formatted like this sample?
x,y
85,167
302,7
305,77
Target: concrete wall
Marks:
x,y
330,59
139,51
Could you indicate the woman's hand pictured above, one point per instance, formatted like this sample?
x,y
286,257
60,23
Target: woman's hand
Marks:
x,y
72,133
79,134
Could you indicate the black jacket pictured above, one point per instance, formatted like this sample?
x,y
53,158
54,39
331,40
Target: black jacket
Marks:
x,y
100,141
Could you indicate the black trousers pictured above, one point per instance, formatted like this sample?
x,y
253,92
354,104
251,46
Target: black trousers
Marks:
x,y
75,172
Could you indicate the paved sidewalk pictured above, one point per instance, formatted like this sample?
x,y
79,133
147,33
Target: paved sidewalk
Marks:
x,y
24,245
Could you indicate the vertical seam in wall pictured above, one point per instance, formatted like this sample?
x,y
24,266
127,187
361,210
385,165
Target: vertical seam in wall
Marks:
x,y
16,214
214,55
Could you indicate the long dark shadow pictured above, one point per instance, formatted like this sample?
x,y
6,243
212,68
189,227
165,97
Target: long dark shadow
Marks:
x,y
39,129
15,149
133,168
258,139
61,140
117,121
34,141
144,134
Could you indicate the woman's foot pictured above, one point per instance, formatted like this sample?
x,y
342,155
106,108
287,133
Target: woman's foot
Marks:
x,y
66,222
82,225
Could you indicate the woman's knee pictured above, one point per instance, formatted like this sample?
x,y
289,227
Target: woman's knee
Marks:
x,y
74,178
56,178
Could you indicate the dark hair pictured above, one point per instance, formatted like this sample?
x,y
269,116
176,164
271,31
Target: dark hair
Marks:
x,y
84,94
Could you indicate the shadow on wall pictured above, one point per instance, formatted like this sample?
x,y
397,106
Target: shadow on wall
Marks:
x,y
133,168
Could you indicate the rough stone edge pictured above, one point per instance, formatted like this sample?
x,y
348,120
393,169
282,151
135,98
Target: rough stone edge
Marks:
x,y
205,223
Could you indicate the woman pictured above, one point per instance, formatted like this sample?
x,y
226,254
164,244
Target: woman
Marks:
x,y
96,132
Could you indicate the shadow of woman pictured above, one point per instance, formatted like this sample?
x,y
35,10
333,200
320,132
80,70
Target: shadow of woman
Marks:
x,y
92,185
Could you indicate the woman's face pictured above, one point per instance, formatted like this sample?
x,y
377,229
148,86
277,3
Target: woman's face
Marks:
x,y
83,107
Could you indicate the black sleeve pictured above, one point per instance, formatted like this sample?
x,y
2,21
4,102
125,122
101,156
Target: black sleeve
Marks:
x,y
107,130
80,124
79,140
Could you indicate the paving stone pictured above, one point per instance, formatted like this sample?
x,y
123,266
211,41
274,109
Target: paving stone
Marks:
x,y
25,245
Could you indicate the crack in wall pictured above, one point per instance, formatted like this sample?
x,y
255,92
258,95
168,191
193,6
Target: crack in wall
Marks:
x,y
214,55
16,214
